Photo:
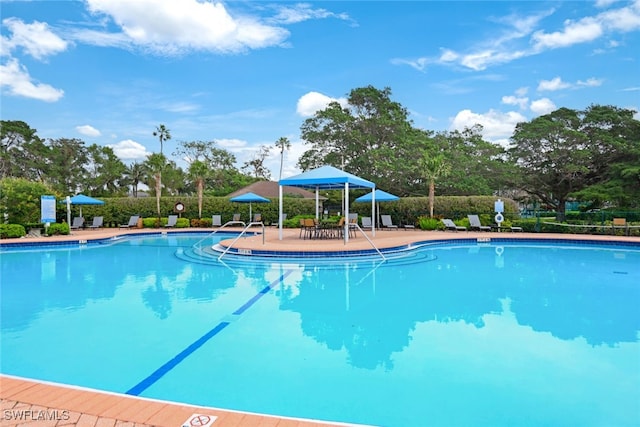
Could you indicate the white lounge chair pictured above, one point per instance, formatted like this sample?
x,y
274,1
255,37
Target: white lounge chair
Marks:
x,y
172,221
475,224
133,222
77,223
366,223
450,225
216,221
387,223
97,222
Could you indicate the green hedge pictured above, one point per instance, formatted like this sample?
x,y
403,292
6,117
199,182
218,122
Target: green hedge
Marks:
x,y
118,210
12,231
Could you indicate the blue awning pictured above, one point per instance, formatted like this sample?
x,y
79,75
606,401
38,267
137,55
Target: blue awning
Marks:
x,y
328,178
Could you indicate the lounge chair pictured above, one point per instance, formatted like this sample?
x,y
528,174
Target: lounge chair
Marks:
x,y
450,225
476,225
366,223
387,223
133,222
236,217
77,223
257,217
172,221
216,221
97,222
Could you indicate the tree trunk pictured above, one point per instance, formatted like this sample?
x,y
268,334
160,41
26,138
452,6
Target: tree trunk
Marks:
x,y
432,196
158,192
200,191
561,210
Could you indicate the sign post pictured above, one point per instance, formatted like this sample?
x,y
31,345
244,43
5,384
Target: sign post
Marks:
x,y
47,211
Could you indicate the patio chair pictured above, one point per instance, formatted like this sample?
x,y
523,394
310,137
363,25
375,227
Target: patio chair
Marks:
x,y
171,221
236,217
77,223
257,217
353,224
450,225
366,223
516,229
387,223
97,222
476,225
133,222
216,221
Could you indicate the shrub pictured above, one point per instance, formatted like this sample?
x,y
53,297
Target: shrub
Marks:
x,y
58,228
426,223
11,231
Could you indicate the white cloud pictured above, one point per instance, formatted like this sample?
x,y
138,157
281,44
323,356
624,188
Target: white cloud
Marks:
x,y
552,85
542,106
311,102
88,130
232,144
584,30
36,39
624,19
514,100
557,84
591,82
497,126
517,38
130,150
300,12
419,64
522,91
15,80
171,27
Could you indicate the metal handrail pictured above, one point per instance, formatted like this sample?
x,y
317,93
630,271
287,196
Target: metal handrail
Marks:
x,y
367,237
240,235
195,245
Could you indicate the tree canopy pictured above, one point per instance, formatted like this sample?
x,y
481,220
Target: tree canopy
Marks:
x,y
590,155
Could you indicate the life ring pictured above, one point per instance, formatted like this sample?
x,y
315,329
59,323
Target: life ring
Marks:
x,y
499,218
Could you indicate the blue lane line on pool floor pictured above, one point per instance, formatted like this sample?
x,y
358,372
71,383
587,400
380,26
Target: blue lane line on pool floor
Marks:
x,y
164,369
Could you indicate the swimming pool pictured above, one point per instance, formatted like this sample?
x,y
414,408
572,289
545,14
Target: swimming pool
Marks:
x,y
449,334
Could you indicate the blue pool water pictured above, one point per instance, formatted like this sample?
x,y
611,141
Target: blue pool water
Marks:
x,y
472,334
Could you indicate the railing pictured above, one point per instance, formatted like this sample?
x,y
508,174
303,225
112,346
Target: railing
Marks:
x,y
240,235
356,225
196,245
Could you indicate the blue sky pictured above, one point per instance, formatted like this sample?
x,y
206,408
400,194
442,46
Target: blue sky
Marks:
x,y
245,73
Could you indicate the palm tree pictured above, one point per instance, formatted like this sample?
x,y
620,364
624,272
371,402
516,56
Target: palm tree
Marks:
x,y
434,168
283,144
155,163
198,171
163,134
135,172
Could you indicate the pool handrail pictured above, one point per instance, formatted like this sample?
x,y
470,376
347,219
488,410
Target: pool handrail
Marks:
x,y
195,245
240,235
355,225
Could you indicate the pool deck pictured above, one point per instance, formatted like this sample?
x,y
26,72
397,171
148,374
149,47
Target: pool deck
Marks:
x,y
43,404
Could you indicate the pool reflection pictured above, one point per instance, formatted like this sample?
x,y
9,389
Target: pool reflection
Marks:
x,y
372,312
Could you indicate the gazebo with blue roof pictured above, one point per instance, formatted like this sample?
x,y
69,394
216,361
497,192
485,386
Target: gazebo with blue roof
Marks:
x,y
326,178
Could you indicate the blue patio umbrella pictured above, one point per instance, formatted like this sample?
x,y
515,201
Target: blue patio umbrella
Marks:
x,y
80,199
380,196
250,198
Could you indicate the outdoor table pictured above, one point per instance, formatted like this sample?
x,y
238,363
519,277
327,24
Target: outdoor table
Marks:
x,y
328,229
